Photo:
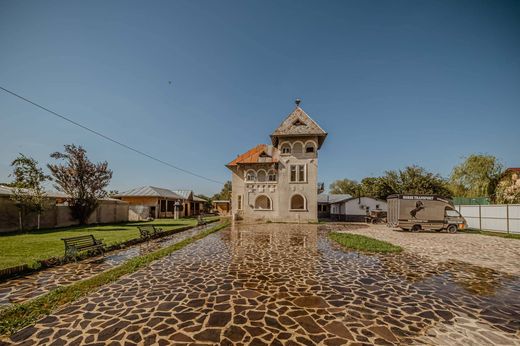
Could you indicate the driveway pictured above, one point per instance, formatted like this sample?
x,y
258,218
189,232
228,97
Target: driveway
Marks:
x,y
277,284
496,253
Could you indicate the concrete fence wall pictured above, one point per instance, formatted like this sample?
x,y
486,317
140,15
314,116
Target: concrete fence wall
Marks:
x,y
109,211
493,217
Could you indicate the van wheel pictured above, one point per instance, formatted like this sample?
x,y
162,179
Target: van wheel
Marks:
x,y
416,228
452,229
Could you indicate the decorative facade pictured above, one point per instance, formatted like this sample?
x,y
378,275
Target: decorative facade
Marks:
x,y
278,182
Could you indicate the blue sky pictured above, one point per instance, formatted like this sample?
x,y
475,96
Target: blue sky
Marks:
x,y
394,83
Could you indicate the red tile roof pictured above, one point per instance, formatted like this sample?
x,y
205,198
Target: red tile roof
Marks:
x,y
255,155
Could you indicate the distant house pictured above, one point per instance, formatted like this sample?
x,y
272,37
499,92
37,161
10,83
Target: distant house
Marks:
x,y
57,212
325,201
222,207
348,208
156,202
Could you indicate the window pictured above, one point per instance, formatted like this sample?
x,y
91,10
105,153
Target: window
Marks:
x,y
286,148
163,205
309,148
271,176
263,202
239,202
170,206
261,176
250,176
301,172
297,148
298,173
297,202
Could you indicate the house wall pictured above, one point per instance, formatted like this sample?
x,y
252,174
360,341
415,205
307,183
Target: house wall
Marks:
x,y
355,209
108,211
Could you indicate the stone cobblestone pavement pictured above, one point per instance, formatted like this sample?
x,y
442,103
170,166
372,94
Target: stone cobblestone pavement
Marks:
x,y
280,284
502,254
29,286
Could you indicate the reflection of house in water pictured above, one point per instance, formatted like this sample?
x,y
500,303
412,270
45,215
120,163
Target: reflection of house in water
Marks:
x,y
275,235
273,258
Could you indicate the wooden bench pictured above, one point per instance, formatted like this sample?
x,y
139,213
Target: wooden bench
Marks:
x,y
201,221
148,232
74,245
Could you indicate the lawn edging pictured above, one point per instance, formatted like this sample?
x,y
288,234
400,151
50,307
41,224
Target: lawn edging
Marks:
x,y
363,243
25,269
18,316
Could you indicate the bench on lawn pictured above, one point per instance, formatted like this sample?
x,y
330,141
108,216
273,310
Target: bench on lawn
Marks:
x,y
200,220
74,245
148,232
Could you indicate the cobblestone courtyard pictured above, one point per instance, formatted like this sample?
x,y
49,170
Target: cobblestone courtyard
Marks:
x,y
289,284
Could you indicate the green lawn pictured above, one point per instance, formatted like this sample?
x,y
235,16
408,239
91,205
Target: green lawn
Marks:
x,y
23,314
18,249
491,233
360,242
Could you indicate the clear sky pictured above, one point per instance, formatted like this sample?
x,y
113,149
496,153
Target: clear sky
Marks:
x,y
394,83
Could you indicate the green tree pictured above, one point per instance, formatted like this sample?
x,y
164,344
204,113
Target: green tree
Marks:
x,y
225,193
83,181
345,186
477,176
376,187
416,180
28,192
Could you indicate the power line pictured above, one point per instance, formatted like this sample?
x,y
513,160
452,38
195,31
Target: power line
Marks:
x,y
109,138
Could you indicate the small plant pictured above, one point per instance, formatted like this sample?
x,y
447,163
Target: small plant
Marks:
x,y
362,243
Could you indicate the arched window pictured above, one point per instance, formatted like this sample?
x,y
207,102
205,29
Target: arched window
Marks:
x,y
297,202
286,148
250,175
297,148
309,147
271,175
263,202
261,175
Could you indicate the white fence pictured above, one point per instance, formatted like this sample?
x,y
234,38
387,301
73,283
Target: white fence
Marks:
x,y
494,217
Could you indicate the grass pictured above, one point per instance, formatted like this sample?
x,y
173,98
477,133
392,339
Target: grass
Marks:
x,y
362,243
492,233
28,248
21,315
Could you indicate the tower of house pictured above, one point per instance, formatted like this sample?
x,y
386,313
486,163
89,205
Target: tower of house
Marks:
x,y
279,182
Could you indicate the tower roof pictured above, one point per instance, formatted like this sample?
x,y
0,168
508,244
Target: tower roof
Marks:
x,y
298,124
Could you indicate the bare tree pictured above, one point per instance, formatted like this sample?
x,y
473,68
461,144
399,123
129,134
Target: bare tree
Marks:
x,y
83,181
28,192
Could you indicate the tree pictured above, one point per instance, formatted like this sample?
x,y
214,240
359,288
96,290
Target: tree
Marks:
x,y
508,189
477,176
345,186
376,187
225,193
83,181
28,192
416,180
410,180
